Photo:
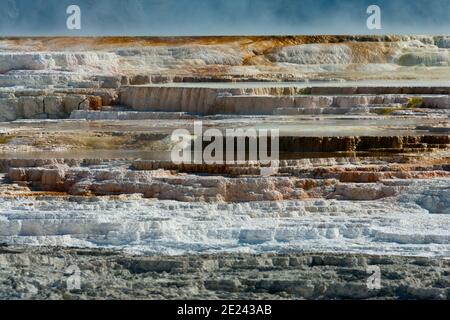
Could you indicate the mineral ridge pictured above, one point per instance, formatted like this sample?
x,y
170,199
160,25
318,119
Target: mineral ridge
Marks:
x,y
363,178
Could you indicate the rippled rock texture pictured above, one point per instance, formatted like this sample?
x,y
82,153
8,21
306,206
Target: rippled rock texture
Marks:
x,y
44,273
44,78
363,177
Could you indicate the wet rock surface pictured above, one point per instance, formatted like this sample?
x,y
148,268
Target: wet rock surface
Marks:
x,y
48,78
88,187
42,273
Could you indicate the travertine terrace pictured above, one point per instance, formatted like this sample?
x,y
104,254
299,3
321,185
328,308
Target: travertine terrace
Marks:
x,y
363,176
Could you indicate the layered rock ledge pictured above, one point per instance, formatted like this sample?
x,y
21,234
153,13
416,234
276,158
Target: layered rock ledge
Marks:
x,y
42,273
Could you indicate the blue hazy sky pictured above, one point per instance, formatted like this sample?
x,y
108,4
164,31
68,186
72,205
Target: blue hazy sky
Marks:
x,y
222,17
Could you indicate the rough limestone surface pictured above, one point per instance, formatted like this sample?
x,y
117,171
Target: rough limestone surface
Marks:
x,y
361,181
43,273
9,110
131,67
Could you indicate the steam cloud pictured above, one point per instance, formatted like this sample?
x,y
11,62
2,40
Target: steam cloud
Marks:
x,y
222,17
